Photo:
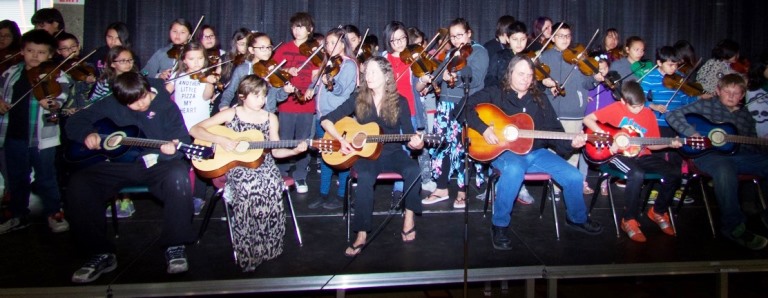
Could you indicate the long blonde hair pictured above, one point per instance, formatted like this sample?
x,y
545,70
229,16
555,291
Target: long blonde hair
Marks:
x,y
390,108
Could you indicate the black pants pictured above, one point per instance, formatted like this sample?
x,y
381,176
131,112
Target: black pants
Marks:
x,y
91,188
368,170
635,168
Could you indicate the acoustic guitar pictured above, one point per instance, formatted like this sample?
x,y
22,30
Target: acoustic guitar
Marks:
x,y
515,133
249,151
367,141
723,137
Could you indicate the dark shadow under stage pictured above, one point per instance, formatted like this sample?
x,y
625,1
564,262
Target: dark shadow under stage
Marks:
x,y
36,262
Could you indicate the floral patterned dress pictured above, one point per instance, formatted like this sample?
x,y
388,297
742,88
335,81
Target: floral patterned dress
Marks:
x,y
258,224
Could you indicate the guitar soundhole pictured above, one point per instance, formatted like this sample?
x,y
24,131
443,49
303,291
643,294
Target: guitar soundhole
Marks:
x,y
113,141
717,137
359,140
622,141
242,146
510,133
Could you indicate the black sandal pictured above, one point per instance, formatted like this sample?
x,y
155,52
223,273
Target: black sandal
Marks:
x,y
356,249
405,235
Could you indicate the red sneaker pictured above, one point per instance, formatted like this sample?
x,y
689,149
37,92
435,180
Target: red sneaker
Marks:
x,y
632,228
661,220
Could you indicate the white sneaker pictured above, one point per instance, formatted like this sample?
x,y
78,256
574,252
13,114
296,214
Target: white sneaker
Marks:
x,y
176,258
301,186
524,197
429,186
57,223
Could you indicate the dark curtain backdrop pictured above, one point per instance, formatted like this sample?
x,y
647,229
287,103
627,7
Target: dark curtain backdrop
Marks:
x,y
659,22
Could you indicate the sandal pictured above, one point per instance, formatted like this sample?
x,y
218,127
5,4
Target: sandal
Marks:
x,y
356,250
433,198
406,234
604,188
461,200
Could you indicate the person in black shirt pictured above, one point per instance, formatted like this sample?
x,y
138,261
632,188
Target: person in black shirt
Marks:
x,y
377,101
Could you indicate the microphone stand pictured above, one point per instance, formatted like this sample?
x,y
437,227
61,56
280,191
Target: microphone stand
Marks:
x,y
461,116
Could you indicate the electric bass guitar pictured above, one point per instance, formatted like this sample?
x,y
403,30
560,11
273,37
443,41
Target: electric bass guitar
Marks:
x,y
630,143
367,141
249,151
723,137
125,144
515,133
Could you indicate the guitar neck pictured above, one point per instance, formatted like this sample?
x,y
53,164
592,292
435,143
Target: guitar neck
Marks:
x,y
746,140
653,141
389,138
276,144
139,142
551,135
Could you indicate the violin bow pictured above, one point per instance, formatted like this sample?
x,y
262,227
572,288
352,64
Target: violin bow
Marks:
x,y
677,90
327,59
438,74
579,56
319,48
362,42
9,58
590,42
197,71
42,79
80,61
539,52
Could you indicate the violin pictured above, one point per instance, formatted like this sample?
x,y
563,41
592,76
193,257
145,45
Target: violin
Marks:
x,y
79,71
615,54
45,87
202,77
175,51
459,61
238,59
641,68
332,68
577,56
276,78
541,71
415,56
310,49
213,55
365,52
676,81
9,58
741,66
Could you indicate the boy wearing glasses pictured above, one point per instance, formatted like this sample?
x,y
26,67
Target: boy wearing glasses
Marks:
x,y
79,90
630,113
570,106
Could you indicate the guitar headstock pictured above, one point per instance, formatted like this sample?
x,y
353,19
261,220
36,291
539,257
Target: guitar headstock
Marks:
x,y
600,140
698,143
326,145
432,140
196,152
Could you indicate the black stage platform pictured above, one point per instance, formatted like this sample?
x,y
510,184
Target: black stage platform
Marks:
x,y
36,262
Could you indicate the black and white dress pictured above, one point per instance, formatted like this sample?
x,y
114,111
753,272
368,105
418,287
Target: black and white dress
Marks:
x,y
254,194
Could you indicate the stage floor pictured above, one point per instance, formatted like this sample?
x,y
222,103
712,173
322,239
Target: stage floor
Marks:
x,y
36,262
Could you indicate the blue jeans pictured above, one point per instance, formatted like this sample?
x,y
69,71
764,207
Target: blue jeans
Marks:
x,y
723,169
326,172
513,168
46,186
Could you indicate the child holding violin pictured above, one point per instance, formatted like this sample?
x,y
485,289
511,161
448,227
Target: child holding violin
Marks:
x,y
259,49
238,54
191,89
27,140
632,65
332,91
450,159
255,193
542,31
162,61
570,106
82,76
297,113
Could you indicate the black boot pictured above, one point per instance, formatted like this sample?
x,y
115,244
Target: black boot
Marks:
x,y
499,238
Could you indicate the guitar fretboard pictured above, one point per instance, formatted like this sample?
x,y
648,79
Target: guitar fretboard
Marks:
x,y
746,140
389,138
148,143
276,144
551,135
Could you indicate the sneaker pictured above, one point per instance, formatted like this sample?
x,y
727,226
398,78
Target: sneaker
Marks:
x,y
588,227
481,196
92,269
301,186
662,220
632,228
679,194
621,183
652,197
177,259
57,223
199,203
430,186
13,224
317,201
126,205
745,238
333,203
524,197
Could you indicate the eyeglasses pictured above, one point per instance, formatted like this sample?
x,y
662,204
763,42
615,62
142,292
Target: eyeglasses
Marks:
x,y
458,36
71,49
563,36
399,40
266,48
126,61
209,37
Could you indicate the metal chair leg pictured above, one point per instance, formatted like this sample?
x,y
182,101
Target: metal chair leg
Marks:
x,y
490,191
613,211
293,213
230,222
549,188
209,212
706,206
348,206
